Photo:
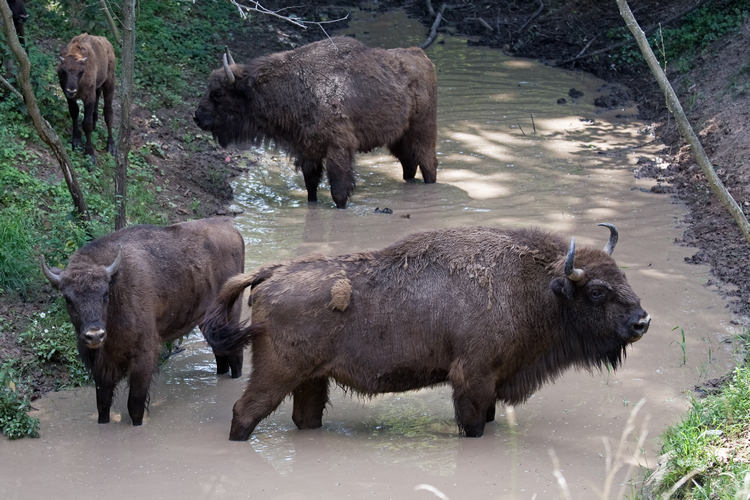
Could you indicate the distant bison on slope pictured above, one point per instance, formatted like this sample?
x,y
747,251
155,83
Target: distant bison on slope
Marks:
x,y
496,313
20,16
329,100
86,71
130,291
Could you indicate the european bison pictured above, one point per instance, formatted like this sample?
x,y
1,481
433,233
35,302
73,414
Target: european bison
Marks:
x,y
496,313
132,290
86,70
328,100
20,16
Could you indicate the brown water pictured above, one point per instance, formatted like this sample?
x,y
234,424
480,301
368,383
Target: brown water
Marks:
x,y
574,171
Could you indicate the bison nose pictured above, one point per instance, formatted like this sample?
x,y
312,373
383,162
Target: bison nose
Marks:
x,y
640,327
94,337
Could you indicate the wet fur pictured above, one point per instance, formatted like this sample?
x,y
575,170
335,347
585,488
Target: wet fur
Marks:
x,y
327,101
167,279
487,310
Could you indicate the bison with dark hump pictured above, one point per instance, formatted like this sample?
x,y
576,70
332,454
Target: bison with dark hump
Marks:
x,y
327,101
130,291
495,313
86,71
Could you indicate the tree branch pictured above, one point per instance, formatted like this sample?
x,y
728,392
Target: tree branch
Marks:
x,y
686,130
433,30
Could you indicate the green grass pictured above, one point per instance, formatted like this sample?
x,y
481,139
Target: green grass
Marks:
x,y
679,44
709,446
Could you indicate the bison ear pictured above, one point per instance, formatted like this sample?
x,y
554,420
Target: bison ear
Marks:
x,y
563,287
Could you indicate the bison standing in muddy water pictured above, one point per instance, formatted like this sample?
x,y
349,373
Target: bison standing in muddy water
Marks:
x,y
130,291
86,71
327,101
496,313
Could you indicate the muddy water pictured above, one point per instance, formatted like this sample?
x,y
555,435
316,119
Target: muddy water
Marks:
x,y
567,171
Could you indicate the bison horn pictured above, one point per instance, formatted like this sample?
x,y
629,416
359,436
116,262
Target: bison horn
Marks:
x,y
613,236
53,278
228,70
229,56
570,271
112,269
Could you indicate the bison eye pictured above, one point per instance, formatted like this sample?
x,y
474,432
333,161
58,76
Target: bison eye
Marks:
x,y
597,294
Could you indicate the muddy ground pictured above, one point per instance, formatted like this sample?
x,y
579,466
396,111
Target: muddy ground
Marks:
x,y
571,33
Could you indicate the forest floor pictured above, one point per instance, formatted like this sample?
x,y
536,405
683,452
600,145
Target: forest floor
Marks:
x,y
714,94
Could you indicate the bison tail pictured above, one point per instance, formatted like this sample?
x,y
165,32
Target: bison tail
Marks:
x,y
220,326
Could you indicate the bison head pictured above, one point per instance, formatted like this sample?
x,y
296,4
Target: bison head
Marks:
x,y
86,289
224,108
70,71
597,301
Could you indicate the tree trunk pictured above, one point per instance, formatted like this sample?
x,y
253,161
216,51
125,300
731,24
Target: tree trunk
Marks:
x,y
123,143
43,128
682,122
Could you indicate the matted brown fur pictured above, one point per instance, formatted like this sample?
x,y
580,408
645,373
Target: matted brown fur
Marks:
x,y
326,101
489,311
87,70
167,278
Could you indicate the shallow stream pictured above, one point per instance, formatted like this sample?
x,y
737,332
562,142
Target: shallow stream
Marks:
x,y
511,156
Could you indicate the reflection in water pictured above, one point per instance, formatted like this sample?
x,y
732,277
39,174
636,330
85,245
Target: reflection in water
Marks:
x,y
566,171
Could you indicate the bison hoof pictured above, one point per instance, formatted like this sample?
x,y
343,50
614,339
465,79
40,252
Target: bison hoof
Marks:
x,y
104,419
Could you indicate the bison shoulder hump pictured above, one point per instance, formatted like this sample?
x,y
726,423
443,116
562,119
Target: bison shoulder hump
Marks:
x,y
341,293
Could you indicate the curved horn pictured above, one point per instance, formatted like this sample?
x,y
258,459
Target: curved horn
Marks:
x,y
613,236
229,56
570,271
53,278
112,268
228,71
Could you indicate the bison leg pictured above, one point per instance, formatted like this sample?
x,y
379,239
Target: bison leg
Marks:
x,y
312,170
340,169
89,110
140,380
310,399
490,413
104,393
73,109
225,363
472,399
417,150
109,94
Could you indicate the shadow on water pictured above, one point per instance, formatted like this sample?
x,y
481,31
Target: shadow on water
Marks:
x,y
568,171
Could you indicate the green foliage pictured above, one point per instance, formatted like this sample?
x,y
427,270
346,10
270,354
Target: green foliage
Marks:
x,y
14,421
679,44
710,439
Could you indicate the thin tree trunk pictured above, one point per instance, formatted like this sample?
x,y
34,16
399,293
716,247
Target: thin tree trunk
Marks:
x,y
682,122
43,128
123,143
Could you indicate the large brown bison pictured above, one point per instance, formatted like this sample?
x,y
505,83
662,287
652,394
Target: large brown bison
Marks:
x,y
86,70
132,290
328,100
496,313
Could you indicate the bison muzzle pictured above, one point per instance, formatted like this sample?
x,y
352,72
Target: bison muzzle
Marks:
x,y
327,101
495,313
130,291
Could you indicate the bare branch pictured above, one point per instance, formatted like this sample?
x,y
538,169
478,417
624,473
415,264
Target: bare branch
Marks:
x,y
255,6
433,30
111,21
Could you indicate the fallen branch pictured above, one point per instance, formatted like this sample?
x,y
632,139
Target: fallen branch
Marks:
x,y
433,30
686,130
538,11
480,21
